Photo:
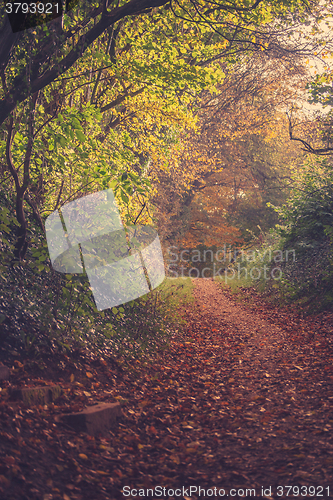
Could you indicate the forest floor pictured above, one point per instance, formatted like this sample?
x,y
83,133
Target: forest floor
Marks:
x,y
241,402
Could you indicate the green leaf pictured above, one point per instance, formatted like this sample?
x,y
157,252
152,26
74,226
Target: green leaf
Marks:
x,y
134,177
76,124
63,141
124,197
80,135
4,228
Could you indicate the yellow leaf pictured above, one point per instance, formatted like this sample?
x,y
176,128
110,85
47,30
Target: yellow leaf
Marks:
x,y
66,497
102,472
83,456
107,448
175,459
120,399
72,377
89,375
143,403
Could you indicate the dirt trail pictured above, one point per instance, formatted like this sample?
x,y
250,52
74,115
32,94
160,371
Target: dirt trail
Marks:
x,y
282,386
241,401
264,339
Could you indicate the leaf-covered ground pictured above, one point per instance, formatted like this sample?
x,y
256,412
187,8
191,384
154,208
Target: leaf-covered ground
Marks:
x,y
241,401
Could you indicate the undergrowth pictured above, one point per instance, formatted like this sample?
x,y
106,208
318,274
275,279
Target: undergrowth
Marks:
x,y
42,310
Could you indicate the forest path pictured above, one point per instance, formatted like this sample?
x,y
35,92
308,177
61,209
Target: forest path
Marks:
x,y
268,392
263,339
242,400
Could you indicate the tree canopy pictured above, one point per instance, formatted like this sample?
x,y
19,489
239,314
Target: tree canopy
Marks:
x,y
178,106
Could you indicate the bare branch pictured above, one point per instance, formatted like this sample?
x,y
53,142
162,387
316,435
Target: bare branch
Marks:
x,y
328,151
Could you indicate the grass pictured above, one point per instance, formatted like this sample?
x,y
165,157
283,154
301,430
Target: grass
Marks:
x,y
236,283
241,274
174,293
299,277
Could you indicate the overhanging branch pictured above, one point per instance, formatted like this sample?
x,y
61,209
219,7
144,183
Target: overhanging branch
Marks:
x,y
306,145
22,90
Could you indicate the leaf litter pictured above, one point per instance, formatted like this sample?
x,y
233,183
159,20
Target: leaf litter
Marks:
x,y
242,399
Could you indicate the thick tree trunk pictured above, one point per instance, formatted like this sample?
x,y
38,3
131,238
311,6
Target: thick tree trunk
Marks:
x,y
7,41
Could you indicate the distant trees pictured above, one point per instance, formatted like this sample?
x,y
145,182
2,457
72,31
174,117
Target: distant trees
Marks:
x,y
315,137
239,158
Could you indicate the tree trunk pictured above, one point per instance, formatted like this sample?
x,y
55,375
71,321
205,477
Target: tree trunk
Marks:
x,y
21,245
